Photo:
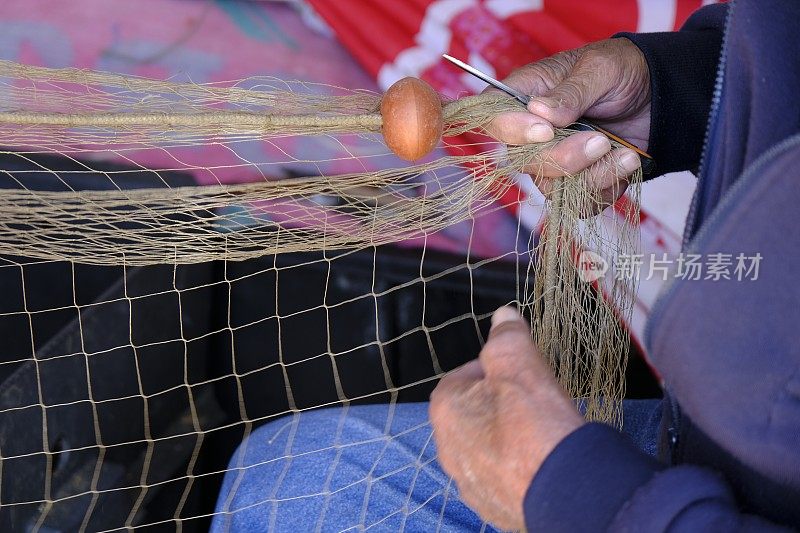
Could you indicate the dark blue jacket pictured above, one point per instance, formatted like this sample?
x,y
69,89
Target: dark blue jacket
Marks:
x,y
728,350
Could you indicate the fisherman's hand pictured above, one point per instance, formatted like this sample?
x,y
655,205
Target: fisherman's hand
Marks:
x,y
497,418
607,82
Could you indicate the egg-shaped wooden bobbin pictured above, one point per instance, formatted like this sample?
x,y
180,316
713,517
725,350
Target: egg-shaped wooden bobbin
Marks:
x,y
412,118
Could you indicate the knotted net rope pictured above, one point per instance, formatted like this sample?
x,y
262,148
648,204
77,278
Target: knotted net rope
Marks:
x,y
83,115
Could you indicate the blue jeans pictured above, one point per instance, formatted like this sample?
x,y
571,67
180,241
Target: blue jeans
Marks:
x,y
365,467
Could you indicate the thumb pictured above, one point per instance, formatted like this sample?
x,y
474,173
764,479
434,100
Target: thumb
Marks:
x,y
574,95
509,352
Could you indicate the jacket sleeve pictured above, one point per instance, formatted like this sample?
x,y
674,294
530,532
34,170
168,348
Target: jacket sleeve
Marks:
x,y
596,480
683,68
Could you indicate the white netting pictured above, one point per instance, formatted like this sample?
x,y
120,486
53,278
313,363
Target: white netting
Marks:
x,y
153,323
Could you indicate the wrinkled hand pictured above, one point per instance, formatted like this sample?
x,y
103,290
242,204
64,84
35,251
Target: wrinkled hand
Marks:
x,y
607,82
497,418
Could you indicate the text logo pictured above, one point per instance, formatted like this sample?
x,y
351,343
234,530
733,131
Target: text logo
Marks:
x,y
591,266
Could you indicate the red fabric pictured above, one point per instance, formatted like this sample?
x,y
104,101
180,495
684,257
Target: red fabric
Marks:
x,y
375,32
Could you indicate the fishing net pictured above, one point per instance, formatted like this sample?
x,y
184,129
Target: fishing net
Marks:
x,y
94,176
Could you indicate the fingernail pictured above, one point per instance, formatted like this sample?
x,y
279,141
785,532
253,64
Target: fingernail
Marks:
x,y
546,101
597,147
539,133
505,314
629,161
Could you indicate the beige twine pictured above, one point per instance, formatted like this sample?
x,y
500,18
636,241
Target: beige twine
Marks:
x,y
70,112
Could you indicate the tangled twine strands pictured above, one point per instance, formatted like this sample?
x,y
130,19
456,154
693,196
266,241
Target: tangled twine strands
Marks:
x,y
80,99
185,224
67,111
578,321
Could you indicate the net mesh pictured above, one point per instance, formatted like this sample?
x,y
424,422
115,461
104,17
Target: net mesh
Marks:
x,y
153,321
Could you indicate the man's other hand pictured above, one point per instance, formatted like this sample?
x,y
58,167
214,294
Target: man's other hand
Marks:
x,y
497,418
607,82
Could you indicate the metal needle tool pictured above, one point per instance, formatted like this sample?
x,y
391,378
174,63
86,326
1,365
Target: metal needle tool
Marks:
x,y
648,164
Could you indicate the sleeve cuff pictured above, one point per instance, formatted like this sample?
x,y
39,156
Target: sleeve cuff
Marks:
x,y
586,480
